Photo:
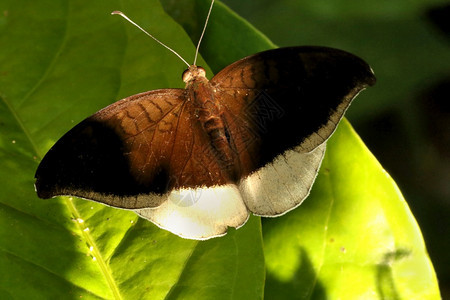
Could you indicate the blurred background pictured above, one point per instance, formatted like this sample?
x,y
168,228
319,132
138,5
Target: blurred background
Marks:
x,y
405,118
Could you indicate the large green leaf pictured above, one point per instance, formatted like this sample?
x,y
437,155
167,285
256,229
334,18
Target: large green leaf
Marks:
x,y
61,61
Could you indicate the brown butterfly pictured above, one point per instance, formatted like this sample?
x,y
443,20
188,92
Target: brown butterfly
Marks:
x,y
198,160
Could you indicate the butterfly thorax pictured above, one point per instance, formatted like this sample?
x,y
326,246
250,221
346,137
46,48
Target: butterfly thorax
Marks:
x,y
208,112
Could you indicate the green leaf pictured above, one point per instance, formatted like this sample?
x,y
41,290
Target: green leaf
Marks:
x,y
64,61
354,237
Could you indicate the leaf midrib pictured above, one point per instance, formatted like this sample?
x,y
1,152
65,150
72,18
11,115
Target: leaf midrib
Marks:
x,y
95,251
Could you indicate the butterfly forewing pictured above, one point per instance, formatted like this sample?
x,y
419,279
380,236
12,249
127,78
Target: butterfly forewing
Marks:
x,y
296,95
131,153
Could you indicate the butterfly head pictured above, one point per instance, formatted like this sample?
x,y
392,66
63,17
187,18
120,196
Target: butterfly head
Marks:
x,y
194,72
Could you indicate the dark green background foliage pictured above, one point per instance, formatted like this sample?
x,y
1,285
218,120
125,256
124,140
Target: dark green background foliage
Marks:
x,y
61,61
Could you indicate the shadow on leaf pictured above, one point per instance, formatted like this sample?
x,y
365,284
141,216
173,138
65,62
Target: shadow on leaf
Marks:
x,y
303,284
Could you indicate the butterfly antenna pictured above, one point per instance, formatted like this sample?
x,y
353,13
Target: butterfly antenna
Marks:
x,y
203,32
161,43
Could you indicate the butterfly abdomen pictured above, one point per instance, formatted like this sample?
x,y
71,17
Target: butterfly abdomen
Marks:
x,y
214,127
209,115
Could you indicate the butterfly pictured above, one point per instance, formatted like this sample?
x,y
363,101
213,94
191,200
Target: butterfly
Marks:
x,y
198,160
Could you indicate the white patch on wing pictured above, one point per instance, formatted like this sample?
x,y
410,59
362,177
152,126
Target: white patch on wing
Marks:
x,y
283,184
200,213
